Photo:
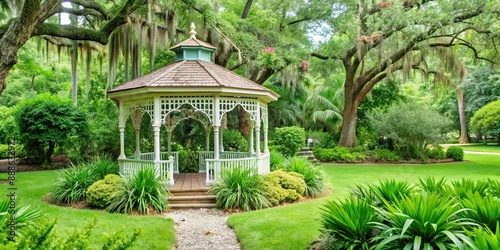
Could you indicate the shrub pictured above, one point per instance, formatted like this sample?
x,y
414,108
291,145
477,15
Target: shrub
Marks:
x,y
455,153
72,183
485,239
101,192
425,220
436,152
234,141
239,189
494,188
102,167
411,126
485,210
4,151
337,154
289,140
465,186
322,139
431,185
314,177
142,192
275,160
385,155
347,224
280,186
188,160
386,191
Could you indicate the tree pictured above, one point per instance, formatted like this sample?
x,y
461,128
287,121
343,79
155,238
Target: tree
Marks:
x,y
487,119
373,40
46,121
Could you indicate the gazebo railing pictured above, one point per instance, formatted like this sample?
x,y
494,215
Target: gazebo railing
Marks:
x,y
163,156
204,155
214,167
164,169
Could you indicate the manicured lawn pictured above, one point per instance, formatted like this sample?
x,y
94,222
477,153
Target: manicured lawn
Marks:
x,y
491,147
157,233
296,226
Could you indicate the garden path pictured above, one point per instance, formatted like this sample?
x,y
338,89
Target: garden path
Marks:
x,y
200,229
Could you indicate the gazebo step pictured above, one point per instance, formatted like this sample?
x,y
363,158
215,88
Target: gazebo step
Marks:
x,y
184,206
189,192
199,199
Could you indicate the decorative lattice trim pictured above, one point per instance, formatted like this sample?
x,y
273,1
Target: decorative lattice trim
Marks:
x,y
202,104
227,104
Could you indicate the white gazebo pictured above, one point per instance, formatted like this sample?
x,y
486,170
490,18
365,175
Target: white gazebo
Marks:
x,y
193,88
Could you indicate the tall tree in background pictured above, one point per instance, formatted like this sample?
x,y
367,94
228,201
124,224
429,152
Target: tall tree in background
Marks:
x,y
372,39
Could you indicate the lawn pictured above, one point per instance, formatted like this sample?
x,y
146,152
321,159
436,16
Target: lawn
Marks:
x,y
479,147
157,233
296,226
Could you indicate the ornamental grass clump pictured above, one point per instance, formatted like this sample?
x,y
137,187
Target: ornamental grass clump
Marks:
x,y
313,177
427,221
72,184
141,192
484,210
239,189
347,224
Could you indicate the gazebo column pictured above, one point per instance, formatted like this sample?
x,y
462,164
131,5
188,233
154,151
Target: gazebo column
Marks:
x,y
156,132
136,119
257,131
250,140
121,127
169,140
266,147
221,143
216,143
207,138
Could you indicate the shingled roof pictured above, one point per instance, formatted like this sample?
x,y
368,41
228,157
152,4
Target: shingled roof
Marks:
x,y
191,74
193,42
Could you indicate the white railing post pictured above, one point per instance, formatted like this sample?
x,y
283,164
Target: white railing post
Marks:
x,y
171,170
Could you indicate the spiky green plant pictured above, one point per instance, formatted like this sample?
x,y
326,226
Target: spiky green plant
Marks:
x,y
24,216
72,184
465,186
348,224
239,189
275,160
423,221
485,210
388,191
141,191
430,185
103,166
485,239
313,176
494,188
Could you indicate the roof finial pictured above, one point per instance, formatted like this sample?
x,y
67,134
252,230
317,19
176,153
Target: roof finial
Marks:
x,y
192,32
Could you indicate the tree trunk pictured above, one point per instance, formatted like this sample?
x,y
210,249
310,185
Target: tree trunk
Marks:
x,y
244,127
348,131
74,81
244,15
50,151
464,138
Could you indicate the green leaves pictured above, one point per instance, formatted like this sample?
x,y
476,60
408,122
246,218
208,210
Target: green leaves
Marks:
x,y
313,176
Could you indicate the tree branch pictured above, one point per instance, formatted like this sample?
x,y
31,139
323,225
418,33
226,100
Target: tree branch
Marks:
x,y
91,5
323,57
80,12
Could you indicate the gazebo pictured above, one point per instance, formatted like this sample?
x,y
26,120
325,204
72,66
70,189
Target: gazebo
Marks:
x,y
193,88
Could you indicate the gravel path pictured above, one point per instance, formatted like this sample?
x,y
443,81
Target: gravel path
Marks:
x,y
198,229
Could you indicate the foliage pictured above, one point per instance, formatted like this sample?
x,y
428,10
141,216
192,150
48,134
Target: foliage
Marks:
x,y
42,235
275,160
24,217
46,121
494,188
411,126
313,177
480,88
430,185
100,193
465,186
72,184
322,139
422,221
289,140
436,152
239,189
234,141
485,210
4,151
348,224
337,154
385,155
141,191
381,97
188,160
455,153
390,190
101,167
8,126
281,186
487,119
484,239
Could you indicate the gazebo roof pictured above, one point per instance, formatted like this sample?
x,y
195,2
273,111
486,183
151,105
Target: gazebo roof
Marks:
x,y
192,73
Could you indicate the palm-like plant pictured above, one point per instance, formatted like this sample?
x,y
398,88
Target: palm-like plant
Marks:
x,y
140,191
485,239
313,177
465,186
430,185
388,191
424,221
24,216
239,189
485,210
348,224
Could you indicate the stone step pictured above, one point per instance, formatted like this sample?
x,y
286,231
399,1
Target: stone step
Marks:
x,y
306,149
186,206
191,192
198,199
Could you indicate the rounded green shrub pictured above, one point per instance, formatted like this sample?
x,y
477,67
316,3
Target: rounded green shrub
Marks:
x,y
234,141
436,152
455,153
385,155
281,186
289,140
101,192
314,177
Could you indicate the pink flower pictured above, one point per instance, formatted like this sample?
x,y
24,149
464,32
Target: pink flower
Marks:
x,y
304,65
269,50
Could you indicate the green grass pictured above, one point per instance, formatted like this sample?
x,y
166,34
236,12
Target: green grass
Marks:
x,y
296,226
157,233
491,147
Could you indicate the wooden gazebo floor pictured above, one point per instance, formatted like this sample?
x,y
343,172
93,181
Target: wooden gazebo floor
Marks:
x,y
189,181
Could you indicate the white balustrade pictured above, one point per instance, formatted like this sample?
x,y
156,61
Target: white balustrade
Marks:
x,y
164,170
215,167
